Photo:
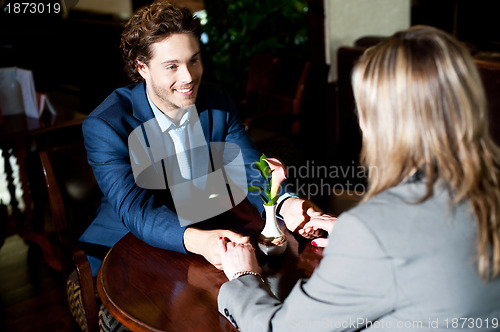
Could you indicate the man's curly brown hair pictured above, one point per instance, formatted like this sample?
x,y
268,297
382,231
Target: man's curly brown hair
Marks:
x,y
152,24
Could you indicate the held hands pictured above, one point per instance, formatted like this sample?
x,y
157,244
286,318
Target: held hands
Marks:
x,y
240,257
322,222
205,243
297,212
237,257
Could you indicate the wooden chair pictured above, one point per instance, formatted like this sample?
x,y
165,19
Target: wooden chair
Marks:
x,y
73,197
47,136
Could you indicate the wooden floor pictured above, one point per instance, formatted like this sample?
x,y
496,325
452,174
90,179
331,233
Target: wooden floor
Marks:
x,y
31,293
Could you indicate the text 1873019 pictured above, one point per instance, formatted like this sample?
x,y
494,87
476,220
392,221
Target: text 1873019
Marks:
x,y
20,8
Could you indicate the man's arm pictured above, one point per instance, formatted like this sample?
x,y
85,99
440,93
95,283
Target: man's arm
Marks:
x,y
296,212
236,134
143,212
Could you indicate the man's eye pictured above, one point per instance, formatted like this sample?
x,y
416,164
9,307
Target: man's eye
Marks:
x,y
171,67
195,60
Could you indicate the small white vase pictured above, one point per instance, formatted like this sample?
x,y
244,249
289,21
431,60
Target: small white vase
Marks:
x,y
272,241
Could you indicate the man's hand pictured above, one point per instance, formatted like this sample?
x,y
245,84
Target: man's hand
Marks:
x,y
324,222
297,212
205,243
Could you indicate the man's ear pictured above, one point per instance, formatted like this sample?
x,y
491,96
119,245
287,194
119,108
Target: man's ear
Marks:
x,y
142,69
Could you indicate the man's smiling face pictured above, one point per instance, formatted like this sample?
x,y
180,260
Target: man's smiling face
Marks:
x,y
173,74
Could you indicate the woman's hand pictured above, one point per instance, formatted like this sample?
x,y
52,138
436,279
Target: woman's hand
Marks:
x,y
323,222
237,257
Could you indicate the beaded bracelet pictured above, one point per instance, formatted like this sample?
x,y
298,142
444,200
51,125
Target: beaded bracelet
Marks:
x,y
242,273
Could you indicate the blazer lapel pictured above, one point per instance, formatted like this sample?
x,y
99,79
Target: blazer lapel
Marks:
x,y
205,124
204,113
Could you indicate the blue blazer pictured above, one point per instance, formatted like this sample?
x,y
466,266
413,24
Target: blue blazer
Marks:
x,y
125,207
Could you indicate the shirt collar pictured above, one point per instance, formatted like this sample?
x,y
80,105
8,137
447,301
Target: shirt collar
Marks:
x,y
164,121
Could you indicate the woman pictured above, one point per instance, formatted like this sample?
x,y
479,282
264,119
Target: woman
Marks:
x,y
422,251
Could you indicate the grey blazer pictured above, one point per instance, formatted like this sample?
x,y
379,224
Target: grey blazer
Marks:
x,y
390,264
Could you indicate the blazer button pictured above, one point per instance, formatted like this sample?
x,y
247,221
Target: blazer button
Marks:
x,y
226,312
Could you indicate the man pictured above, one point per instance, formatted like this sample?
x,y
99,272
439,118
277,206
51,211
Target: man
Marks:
x,y
160,44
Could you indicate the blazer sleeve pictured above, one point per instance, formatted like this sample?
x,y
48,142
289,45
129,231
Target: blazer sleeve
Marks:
x,y
143,212
236,133
353,286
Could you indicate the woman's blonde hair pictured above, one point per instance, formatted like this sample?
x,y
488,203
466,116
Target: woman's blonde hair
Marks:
x,y
422,106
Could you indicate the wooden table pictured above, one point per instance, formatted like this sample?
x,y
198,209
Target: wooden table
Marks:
x,y
150,289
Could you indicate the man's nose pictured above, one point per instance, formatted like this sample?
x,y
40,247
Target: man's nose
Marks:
x,y
185,74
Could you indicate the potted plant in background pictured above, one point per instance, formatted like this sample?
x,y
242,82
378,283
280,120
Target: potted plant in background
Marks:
x,y
238,29
272,240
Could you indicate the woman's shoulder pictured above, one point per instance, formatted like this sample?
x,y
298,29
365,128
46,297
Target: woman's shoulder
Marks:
x,y
402,207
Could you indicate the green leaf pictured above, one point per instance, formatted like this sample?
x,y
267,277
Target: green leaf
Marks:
x,y
263,199
258,165
273,200
263,167
259,168
267,171
255,188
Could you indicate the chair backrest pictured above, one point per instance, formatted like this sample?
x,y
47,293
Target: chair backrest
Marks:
x,y
60,134
275,85
74,197
74,194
